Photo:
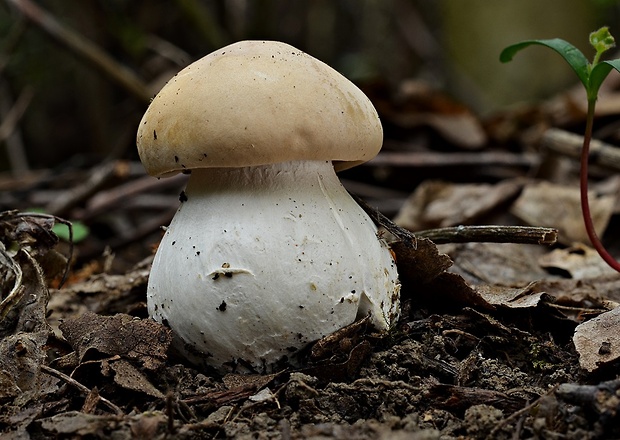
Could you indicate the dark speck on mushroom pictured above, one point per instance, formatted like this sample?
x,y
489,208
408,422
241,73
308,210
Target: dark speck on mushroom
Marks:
x,y
176,159
182,197
222,307
154,135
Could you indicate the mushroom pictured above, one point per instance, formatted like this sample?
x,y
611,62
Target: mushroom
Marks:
x,y
267,251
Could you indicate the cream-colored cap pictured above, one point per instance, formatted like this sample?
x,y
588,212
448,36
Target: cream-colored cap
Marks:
x,y
255,103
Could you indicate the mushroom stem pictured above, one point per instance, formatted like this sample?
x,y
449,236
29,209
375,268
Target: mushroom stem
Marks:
x,y
270,258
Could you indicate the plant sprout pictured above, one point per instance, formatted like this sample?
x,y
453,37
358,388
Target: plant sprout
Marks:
x,y
591,74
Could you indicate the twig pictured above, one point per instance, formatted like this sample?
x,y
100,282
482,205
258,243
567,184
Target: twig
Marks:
x,y
84,48
11,115
84,389
402,234
10,41
504,422
444,160
465,234
570,144
491,234
98,178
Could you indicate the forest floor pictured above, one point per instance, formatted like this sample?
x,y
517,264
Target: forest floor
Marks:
x,y
507,340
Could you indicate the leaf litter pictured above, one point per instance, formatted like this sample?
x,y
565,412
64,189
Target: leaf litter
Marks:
x,y
496,340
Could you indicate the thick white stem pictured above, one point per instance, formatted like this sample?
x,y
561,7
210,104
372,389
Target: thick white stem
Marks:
x,y
260,261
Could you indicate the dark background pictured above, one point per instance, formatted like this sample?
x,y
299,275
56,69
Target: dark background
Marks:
x,y
75,114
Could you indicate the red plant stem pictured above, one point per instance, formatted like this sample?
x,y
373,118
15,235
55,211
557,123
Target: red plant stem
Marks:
x,y
583,184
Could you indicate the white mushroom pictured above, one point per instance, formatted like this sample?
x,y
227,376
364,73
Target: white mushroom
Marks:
x,y
268,251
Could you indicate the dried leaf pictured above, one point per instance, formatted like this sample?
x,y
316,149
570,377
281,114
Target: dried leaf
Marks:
x,y
263,395
440,204
23,334
336,342
90,403
579,261
498,263
253,381
420,104
419,263
30,230
598,341
559,206
341,371
143,341
512,298
583,293
450,291
77,423
130,378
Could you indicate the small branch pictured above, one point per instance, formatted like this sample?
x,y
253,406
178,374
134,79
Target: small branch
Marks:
x,y
84,389
570,144
517,414
464,234
376,216
491,234
98,178
84,48
11,115
445,160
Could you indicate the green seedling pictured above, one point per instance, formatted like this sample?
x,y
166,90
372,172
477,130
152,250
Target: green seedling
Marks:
x,y
591,74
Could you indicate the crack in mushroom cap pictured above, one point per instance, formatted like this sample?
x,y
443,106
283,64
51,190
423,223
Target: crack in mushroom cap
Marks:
x,y
255,103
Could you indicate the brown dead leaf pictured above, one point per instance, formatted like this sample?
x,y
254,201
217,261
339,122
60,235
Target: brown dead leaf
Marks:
x,y
139,340
90,402
338,356
437,204
512,298
77,423
419,104
23,334
598,341
251,381
336,342
583,293
579,261
419,263
100,292
130,378
450,291
558,206
504,264
341,371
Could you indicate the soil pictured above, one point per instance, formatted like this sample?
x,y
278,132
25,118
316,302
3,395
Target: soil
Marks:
x,y
80,369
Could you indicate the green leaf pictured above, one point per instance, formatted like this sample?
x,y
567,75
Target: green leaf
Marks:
x,y
573,56
598,75
80,231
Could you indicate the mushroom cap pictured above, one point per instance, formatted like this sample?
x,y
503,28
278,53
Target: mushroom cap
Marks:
x,y
256,103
